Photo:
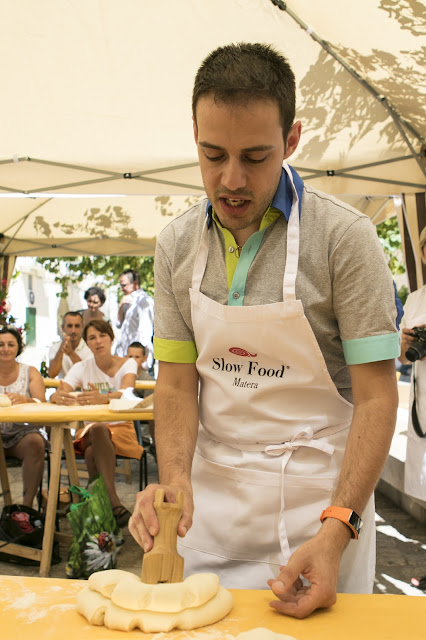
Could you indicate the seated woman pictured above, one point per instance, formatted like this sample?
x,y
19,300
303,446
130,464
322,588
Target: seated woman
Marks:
x,y
102,378
95,298
21,383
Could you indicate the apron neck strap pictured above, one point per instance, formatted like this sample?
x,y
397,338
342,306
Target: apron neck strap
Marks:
x,y
201,259
292,260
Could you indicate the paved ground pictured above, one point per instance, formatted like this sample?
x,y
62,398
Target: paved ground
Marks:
x,y
401,549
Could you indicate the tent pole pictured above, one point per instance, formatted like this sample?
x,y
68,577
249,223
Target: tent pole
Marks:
x,y
380,98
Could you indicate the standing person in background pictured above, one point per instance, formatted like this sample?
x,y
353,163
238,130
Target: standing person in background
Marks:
x,y
95,298
415,461
63,354
135,317
276,332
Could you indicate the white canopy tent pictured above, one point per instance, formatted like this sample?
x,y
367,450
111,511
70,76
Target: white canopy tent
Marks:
x,y
97,112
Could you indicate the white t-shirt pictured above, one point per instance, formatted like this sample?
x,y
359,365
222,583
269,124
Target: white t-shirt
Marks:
x,y
82,350
85,372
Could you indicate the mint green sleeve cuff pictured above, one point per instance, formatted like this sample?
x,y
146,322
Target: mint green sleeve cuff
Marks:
x,y
372,349
178,351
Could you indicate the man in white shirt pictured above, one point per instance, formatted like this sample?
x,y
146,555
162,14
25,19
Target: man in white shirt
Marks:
x,y
136,317
63,354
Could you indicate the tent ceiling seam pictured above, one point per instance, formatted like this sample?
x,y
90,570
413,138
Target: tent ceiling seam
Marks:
x,y
67,185
383,180
64,165
173,184
342,174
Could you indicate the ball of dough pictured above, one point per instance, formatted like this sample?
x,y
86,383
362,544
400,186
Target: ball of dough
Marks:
x,y
5,401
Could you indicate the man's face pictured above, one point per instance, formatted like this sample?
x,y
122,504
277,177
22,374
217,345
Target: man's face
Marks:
x,y
126,285
137,354
73,328
241,151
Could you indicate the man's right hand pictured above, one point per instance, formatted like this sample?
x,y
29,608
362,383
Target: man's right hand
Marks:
x,y
62,397
143,525
407,340
66,346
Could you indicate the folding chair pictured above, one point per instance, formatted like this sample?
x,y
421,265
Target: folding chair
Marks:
x,y
6,493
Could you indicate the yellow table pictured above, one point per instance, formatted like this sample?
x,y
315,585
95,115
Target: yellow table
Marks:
x,y
45,608
53,383
60,419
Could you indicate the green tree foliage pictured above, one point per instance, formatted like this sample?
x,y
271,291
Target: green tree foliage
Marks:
x,y
70,270
390,238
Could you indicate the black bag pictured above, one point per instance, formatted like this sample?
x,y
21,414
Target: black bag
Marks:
x,y
29,535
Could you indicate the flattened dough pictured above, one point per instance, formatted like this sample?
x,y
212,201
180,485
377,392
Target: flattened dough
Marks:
x,y
168,598
98,610
127,591
105,581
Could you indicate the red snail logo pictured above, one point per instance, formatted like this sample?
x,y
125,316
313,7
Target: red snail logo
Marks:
x,y
242,352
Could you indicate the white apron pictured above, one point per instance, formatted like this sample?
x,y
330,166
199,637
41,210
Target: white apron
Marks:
x,y
415,460
273,430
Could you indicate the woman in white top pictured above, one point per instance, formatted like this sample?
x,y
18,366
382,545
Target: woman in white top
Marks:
x,y
102,378
21,383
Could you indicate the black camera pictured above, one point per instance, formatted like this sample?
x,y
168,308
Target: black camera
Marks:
x,y
417,351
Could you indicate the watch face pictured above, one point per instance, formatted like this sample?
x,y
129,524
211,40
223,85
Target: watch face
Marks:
x,y
356,521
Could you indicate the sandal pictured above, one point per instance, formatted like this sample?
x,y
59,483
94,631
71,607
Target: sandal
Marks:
x,y
121,515
420,583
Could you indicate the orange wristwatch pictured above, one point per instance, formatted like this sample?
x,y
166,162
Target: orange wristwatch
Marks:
x,y
348,516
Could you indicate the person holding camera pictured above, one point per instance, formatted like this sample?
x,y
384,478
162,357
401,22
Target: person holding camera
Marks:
x,y
413,350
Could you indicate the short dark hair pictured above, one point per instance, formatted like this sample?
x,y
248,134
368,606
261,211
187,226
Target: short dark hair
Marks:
x,y
132,275
73,314
241,73
99,325
16,334
95,291
137,345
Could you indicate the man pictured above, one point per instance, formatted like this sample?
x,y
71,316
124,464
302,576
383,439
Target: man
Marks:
x,y
138,352
415,461
275,301
135,316
63,354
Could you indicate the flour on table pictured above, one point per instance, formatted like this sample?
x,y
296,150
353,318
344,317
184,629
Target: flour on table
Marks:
x,y
262,634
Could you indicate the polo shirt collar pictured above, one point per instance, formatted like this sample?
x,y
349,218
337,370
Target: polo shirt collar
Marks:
x,y
282,199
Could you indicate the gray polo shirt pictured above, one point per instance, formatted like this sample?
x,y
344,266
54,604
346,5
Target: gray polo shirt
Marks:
x,y
343,281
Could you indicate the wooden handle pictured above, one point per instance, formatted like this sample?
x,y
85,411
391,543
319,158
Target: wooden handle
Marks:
x,y
163,563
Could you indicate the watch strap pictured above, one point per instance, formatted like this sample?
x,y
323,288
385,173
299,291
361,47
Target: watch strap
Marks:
x,y
350,518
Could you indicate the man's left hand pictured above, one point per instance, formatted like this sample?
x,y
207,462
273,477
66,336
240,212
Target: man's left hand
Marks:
x,y
318,562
